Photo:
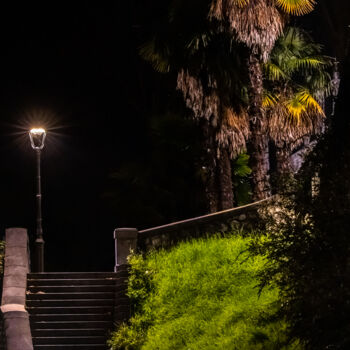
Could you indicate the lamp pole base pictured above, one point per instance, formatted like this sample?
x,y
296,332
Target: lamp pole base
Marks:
x,y
39,255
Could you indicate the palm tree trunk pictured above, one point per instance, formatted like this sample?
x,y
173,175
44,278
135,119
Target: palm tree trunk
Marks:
x,y
259,141
224,172
283,165
210,162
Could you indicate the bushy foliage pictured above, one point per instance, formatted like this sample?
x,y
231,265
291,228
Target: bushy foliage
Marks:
x,y
201,295
241,180
309,241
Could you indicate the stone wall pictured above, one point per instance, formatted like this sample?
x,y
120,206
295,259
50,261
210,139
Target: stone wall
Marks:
x,y
13,301
245,217
122,308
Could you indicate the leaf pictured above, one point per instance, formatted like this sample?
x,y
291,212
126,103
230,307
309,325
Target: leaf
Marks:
x,y
155,56
274,72
296,63
303,103
241,167
269,100
296,7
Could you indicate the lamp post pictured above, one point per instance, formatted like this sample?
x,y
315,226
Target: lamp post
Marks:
x,y
37,138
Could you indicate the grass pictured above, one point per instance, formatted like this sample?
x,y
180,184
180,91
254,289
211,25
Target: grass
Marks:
x,y
201,295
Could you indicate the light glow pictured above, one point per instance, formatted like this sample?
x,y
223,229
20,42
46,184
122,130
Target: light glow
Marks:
x,y
37,131
37,138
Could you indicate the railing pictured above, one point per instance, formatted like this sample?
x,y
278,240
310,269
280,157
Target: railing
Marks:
x,y
130,239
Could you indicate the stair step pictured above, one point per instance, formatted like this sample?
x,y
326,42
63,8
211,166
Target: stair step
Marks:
x,y
68,340
71,347
73,310
71,282
66,296
49,324
72,289
69,302
69,332
71,317
70,310
71,275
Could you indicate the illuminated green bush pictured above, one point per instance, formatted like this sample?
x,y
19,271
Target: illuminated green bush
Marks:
x,y
201,295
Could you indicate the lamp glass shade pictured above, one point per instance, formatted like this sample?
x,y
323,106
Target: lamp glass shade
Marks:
x,y
37,138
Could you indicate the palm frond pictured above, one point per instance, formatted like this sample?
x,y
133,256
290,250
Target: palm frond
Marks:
x,y
290,120
257,24
198,41
274,72
305,63
312,106
320,82
269,100
303,104
241,3
233,132
155,56
219,7
296,7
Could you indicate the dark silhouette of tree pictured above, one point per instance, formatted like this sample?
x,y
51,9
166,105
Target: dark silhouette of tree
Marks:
x,y
309,244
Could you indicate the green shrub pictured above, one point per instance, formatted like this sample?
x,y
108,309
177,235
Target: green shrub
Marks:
x,y
201,295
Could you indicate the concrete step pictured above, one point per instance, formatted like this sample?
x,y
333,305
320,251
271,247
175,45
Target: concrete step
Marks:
x,y
72,275
69,332
71,289
107,310
71,347
57,325
68,340
74,310
70,317
71,282
69,302
39,295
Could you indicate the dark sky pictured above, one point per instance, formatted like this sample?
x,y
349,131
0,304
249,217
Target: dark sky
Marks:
x,y
74,69
71,68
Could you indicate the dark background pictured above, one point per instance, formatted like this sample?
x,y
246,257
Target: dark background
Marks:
x,y
75,69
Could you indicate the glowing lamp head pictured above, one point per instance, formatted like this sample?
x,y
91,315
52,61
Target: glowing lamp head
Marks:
x,y
37,138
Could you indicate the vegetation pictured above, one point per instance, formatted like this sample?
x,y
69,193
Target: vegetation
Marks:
x,y
201,295
218,59
297,81
309,241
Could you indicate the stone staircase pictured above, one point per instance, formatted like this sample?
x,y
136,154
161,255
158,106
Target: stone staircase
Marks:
x,y
74,310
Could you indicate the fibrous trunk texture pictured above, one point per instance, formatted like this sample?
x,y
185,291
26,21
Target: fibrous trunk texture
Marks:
x,y
225,180
210,183
259,139
283,164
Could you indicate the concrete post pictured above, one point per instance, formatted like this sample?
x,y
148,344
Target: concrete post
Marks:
x,y
125,242
16,320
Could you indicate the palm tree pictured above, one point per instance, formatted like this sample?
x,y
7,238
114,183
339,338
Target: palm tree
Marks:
x,y
297,82
211,85
211,76
257,24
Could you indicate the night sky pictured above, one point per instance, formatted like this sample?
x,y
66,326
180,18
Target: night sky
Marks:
x,y
71,69
75,70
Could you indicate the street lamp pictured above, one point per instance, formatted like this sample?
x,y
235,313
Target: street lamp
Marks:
x,y
37,138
